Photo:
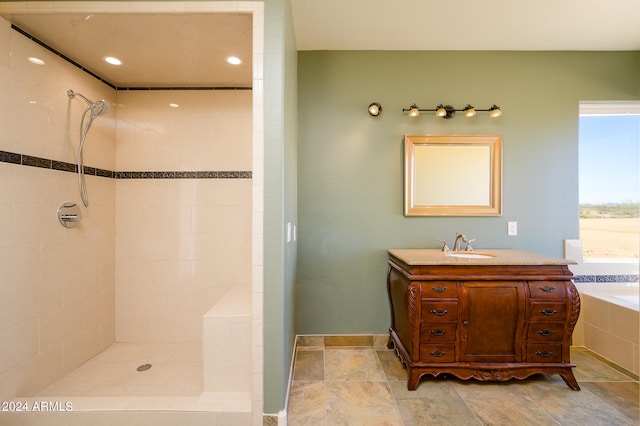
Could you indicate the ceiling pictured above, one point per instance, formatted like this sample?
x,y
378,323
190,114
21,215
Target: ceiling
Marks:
x,y
179,50
157,50
467,24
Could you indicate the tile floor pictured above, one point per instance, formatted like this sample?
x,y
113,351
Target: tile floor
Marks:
x,y
358,381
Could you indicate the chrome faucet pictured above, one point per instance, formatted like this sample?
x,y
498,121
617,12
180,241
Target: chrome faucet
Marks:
x,y
456,244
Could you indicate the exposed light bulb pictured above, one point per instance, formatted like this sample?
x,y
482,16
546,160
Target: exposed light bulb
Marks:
x,y
495,112
440,111
413,112
374,109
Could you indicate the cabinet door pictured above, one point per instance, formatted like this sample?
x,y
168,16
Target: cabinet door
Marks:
x,y
491,321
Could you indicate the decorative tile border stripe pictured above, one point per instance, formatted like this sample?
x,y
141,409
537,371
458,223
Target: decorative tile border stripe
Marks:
x,y
185,88
185,175
605,278
44,163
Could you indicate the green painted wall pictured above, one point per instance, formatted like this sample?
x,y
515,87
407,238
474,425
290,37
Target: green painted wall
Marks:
x,y
350,173
280,202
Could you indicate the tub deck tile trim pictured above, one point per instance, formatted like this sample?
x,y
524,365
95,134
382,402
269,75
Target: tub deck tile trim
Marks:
x,y
605,278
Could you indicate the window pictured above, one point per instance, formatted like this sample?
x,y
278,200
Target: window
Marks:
x,y
609,180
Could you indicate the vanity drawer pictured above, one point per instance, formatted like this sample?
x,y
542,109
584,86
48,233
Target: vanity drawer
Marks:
x,y
545,332
434,333
439,312
548,311
438,353
547,289
544,352
431,289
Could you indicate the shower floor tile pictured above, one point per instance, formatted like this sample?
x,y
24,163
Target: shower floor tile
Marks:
x,y
176,370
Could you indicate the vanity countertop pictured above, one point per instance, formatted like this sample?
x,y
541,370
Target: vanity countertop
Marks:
x,y
415,257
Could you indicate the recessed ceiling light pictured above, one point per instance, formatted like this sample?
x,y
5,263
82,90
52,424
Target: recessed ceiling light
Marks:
x,y
172,105
234,60
112,60
36,61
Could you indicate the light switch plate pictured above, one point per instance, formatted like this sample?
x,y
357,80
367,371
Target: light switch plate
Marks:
x,y
512,228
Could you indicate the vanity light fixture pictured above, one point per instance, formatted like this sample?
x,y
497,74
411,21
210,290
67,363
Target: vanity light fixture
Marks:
x,y
375,109
448,111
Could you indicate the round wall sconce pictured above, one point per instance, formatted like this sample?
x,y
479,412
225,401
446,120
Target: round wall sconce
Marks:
x,y
375,109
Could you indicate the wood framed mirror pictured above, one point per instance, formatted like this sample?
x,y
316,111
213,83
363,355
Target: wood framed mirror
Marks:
x,y
452,175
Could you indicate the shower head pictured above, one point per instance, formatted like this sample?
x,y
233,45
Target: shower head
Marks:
x,y
97,108
100,107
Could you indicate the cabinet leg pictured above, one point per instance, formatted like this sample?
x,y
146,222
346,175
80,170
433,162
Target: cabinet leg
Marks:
x,y
570,380
413,379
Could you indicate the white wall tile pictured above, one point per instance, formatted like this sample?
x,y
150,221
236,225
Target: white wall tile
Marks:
x,y
57,285
187,239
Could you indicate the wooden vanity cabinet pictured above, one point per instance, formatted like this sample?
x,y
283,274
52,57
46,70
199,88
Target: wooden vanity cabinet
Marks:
x,y
487,322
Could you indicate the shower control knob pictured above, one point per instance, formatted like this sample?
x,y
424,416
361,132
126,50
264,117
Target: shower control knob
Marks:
x,y
69,215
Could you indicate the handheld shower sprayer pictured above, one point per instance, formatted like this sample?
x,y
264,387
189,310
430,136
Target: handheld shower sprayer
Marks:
x,y
100,107
97,108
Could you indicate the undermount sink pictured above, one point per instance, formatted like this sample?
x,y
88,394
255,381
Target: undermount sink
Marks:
x,y
470,255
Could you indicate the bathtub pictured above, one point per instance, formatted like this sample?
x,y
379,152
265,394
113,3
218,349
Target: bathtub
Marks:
x,y
610,319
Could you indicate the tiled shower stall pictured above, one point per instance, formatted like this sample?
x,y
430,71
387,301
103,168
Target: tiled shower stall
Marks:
x,y
168,234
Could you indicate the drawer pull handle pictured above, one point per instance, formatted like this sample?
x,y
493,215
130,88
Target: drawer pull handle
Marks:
x,y
545,332
439,289
437,353
548,312
544,353
438,332
439,312
548,289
